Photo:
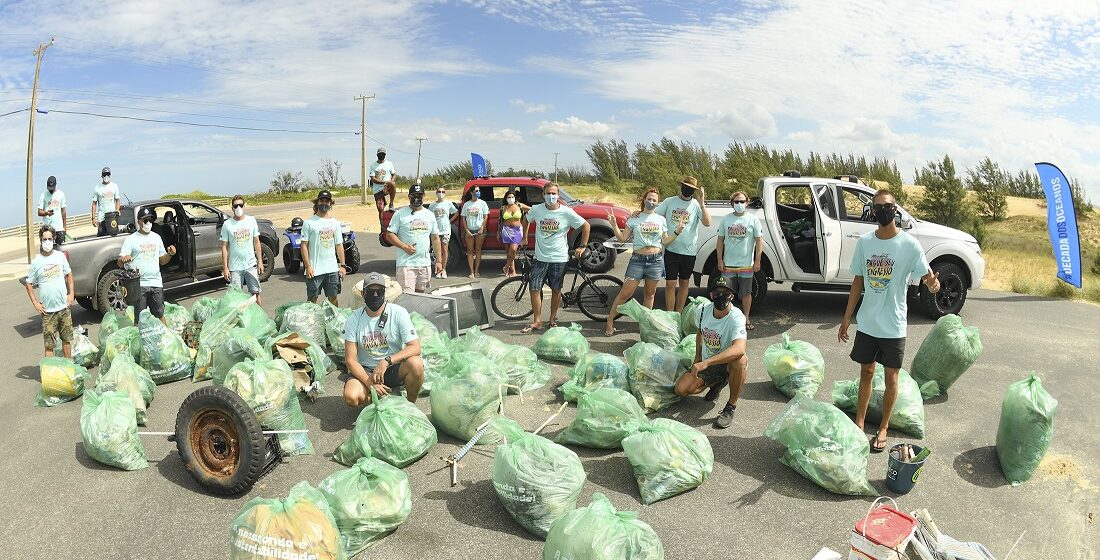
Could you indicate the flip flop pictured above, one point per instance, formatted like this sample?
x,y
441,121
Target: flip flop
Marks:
x,y
553,324
749,326
611,333
877,449
529,328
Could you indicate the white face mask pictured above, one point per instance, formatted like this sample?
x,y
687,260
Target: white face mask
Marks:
x,y
510,201
147,227
47,245
440,196
106,179
238,212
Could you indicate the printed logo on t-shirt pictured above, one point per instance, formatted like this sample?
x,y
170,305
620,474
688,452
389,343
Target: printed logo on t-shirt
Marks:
x,y
473,211
242,236
649,230
549,226
880,270
680,216
737,230
54,204
418,226
440,212
712,340
148,250
374,340
327,235
51,271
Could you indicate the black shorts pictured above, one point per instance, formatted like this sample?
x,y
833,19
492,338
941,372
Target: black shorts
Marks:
x,y
380,194
392,379
677,266
151,298
715,374
886,351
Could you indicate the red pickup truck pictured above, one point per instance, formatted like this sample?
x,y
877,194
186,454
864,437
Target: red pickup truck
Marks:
x,y
529,191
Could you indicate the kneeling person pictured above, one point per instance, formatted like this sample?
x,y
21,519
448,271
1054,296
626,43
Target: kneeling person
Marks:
x,y
381,347
720,349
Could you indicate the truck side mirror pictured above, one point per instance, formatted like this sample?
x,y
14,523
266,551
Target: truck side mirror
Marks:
x,y
904,223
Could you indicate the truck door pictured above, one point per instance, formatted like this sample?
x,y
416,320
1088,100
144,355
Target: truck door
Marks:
x,y
855,221
828,229
205,223
493,197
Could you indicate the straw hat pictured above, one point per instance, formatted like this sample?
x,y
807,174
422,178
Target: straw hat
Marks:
x,y
690,181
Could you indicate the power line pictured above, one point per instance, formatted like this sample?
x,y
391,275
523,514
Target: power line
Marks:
x,y
178,112
205,125
14,112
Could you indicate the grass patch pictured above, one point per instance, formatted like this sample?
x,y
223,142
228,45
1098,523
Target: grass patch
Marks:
x,y
1019,259
195,195
260,199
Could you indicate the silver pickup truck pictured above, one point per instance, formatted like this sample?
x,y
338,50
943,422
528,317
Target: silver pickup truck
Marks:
x,y
194,227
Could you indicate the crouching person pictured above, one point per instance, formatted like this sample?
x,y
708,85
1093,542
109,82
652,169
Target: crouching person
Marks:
x,y
720,349
381,348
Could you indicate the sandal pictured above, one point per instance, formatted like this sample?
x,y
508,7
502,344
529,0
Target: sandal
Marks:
x,y
610,332
553,324
749,326
529,328
881,444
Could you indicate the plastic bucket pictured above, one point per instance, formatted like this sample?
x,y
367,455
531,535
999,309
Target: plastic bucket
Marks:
x,y
110,221
131,287
901,477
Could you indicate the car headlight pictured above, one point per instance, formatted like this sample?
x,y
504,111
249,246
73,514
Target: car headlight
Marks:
x,y
974,245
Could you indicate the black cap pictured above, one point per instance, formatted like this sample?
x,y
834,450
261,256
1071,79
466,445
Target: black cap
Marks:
x,y
417,188
147,213
324,194
106,171
723,282
52,181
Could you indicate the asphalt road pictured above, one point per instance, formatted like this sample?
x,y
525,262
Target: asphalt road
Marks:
x,y
61,504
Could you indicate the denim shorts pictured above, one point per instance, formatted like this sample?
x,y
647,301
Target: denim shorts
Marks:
x,y
646,267
248,279
330,283
550,274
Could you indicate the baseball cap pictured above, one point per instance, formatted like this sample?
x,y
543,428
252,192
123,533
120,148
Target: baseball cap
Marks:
x,y
380,151
52,181
417,188
324,194
723,282
374,279
106,171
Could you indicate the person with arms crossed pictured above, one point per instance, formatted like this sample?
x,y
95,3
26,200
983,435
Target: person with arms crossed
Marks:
x,y
552,220
883,262
382,176
412,231
474,213
144,251
445,215
323,251
106,198
240,238
740,242
49,284
685,211
381,348
52,210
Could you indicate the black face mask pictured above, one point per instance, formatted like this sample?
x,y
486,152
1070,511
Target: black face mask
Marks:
x,y
416,201
720,300
686,192
374,299
885,213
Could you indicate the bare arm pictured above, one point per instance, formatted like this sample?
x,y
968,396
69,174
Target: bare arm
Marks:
x,y
703,213
759,251
64,219
731,354
721,254
351,361
225,258
411,349
396,242
42,212
259,254
305,253
340,258
118,205
72,291
853,299
30,293
95,206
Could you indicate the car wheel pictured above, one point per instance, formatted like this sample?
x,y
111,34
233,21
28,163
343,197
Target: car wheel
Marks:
x,y
351,259
290,263
109,292
267,257
952,294
220,441
598,258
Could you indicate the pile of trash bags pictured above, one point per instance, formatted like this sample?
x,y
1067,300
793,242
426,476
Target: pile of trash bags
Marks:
x,y
686,350
335,319
368,501
945,354
423,327
85,353
537,480
268,388
688,317
656,326
204,309
254,319
669,458
62,381
563,344
301,526
823,445
795,366
605,416
163,352
653,375
436,352
176,316
597,531
215,333
908,413
304,318
1025,429
465,395
593,370
307,359
520,364
126,340
390,428
239,346
112,322
128,377
108,427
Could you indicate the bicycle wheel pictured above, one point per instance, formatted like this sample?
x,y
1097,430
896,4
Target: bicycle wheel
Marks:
x,y
595,296
511,299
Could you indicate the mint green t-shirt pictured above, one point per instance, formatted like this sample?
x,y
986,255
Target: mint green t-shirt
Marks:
x,y
718,334
649,230
443,211
322,235
414,227
55,202
475,212
238,236
105,196
739,235
886,266
47,275
146,250
552,231
687,212
375,341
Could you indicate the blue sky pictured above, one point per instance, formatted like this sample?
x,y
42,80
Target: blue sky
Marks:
x,y
519,80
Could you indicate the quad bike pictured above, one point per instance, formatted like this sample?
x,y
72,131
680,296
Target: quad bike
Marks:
x,y
292,251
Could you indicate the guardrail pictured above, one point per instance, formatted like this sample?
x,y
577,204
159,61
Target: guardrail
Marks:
x,y
81,220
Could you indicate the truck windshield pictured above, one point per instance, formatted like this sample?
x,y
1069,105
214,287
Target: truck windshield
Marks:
x,y
564,196
126,216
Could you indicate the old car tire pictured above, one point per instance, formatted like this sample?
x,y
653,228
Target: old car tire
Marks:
x,y
290,263
351,258
952,294
220,441
267,256
108,292
599,258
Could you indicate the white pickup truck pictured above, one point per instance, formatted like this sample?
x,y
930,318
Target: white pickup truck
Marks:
x,y
811,225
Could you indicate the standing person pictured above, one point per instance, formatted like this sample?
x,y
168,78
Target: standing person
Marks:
x,y
49,284
687,211
381,348
144,250
511,229
323,251
382,177
52,210
240,250
445,215
647,263
740,242
720,347
883,262
412,231
474,213
106,198
553,221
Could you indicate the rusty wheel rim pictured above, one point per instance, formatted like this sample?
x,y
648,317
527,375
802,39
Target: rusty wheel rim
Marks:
x,y
214,442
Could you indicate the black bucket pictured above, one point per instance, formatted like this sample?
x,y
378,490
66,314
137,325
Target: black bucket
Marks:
x,y
901,477
110,222
130,280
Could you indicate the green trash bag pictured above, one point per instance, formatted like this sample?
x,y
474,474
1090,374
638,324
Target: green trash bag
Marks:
x,y
908,413
795,366
653,375
563,344
599,532
369,501
240,346
268,388
593,370
335,318
423,327
301,526
62,381
235,298
945,354
112,322
85,352
306,319
163,353
215,332
108,426
476,341
537,480
823,445
255,319
436,353
523,369
1026,428
686,350
390,428
204,309
126,340
465,395
605,416
688,315
128,377
656,326
322,365
177,317
669,458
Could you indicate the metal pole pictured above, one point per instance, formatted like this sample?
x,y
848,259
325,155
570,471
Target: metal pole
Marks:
x,y
30,148
556,167
363,148
420,140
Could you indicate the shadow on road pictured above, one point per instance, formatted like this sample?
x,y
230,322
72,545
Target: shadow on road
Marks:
x,y
475,504
334,414
980,467
87,462
762,391
172,469
615,474
29,372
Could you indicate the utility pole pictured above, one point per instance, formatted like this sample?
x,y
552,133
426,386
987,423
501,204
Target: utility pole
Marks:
x,y
363,148
419,148
41,50
556,166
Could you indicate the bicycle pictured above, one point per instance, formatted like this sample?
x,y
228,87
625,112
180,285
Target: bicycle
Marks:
x,y
594,296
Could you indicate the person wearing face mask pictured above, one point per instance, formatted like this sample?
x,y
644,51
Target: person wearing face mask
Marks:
x,y
651,236
474,213
511,229
445,215
720,347
381,348
412,231
382,182
240,238
51,208
49,285
740,242
323,251
106,198
144,251
688,211
883,262
552,221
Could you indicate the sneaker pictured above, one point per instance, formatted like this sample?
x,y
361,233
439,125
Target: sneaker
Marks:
x,y
725,418
716,390
444,273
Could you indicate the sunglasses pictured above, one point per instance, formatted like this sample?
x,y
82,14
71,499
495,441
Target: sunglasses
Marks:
x,y
375,292
241,205
741,201
440,192
886,207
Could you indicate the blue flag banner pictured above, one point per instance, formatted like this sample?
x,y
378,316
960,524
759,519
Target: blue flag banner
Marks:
x,y
478,162
1062,223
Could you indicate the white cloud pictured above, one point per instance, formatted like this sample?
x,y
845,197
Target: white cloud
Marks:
x,y
530,107
574,129
462,132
